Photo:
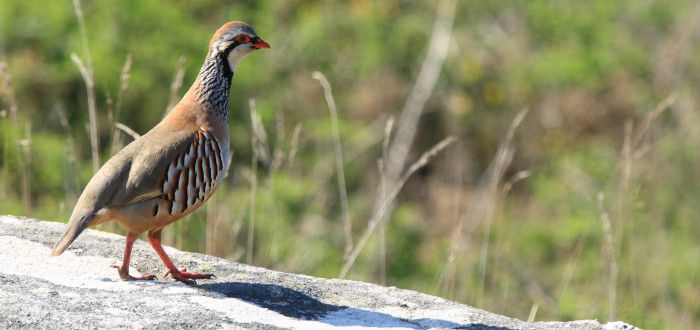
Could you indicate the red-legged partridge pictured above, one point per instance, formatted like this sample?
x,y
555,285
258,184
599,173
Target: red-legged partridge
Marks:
x,y
173,169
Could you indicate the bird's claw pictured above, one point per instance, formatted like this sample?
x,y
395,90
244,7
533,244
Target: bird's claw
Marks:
x,y
185,277
124,275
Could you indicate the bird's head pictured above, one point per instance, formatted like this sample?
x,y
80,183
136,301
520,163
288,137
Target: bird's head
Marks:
x,y
233,41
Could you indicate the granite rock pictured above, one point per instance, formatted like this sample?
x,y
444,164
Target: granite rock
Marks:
x,y
80,289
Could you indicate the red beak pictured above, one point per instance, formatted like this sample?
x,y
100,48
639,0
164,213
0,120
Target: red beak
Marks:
x,y
259,43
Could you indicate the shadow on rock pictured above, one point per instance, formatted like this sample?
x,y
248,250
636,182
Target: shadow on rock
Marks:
x,y
292,303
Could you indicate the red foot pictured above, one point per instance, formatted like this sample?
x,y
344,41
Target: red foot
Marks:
x,y
185,277
124,275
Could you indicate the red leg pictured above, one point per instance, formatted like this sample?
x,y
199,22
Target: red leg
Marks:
x,y
124,269
154,239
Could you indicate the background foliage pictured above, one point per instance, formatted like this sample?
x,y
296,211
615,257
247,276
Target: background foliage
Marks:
x,y
604,224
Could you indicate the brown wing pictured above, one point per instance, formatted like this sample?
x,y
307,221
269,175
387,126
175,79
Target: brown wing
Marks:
x,y
132,174
182,166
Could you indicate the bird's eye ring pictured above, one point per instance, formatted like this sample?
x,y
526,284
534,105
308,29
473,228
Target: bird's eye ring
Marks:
x,y
243,39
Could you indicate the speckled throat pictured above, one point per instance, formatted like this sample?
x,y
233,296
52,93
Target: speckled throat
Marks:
x,y
214,83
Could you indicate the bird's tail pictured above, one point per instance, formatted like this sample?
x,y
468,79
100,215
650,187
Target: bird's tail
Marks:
x,y
74,227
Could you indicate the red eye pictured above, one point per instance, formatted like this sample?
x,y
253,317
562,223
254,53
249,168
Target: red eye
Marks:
x,y
243,39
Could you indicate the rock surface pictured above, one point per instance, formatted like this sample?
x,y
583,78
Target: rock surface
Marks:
x,y
80,289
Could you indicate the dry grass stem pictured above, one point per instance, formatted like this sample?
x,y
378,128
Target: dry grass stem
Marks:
x,y
8,93
255,120
422,89
92,109
378,216
234,230
643,130
533,312
88,75
483,207
388,128
212,219
23,143
609,250
431,68
176,84
71,148
445,282
571,268
83,33
261,146
501,162
508,185
127,130
635,145
218,231
294,145
123,86
323,171
534,288
339,163
280,135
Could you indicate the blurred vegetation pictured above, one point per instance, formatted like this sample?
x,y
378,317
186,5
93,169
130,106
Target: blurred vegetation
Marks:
x,y
607,211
